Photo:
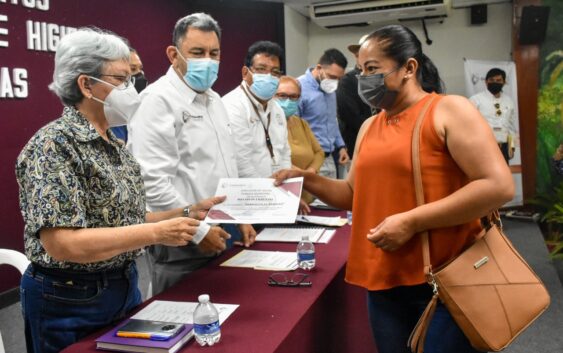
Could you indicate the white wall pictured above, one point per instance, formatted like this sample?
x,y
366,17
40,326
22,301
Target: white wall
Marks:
x,y
453,40
296,42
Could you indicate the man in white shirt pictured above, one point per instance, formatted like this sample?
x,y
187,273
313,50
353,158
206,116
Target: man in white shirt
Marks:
x,y
258,123
180,135
498,109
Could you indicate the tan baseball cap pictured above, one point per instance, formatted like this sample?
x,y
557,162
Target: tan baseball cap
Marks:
x,y
355,47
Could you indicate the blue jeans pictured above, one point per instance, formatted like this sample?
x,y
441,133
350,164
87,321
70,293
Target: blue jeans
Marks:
x,y
394,312
61,307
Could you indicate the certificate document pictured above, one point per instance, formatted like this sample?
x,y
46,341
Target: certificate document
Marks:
x,y
256,200
264,260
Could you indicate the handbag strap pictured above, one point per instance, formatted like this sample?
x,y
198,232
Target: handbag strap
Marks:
x,y
492,219
417,173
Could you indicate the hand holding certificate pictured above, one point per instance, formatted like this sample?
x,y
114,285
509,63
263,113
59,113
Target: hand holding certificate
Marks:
x,y
256,200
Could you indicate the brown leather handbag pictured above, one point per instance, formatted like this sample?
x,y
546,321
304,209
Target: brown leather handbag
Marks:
x,y
489,289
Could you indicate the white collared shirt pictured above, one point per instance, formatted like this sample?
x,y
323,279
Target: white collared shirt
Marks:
x,y
182,140
253,157
503,124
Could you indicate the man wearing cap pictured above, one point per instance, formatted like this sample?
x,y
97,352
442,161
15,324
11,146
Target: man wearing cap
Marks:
x,y
352,111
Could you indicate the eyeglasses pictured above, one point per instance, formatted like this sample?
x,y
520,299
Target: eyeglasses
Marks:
x,y
279,279
125,80
264,70
293,97
497,107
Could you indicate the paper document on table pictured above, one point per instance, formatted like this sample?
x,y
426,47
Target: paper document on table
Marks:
x,y
291,234
179,312
324,221
327,235
323,206
256,200
264,260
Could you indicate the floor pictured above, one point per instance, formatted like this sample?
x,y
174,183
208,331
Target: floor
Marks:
x,y
543,336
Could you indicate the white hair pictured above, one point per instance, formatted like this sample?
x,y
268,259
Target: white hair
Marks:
x,y
85,51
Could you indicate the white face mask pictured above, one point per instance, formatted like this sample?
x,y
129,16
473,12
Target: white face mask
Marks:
x,y
120,104
329,85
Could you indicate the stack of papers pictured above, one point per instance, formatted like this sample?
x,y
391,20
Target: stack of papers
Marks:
x,y
295,234
264,260
324,221
179,312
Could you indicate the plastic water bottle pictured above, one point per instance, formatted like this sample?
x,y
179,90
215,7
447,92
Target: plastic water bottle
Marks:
x,y
207,330
306,253
349,216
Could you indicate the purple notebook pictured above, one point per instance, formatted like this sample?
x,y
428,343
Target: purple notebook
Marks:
x,y
109,341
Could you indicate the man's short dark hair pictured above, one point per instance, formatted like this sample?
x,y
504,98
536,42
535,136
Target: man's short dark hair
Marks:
x,y
333,56
263,47
496,72
199,20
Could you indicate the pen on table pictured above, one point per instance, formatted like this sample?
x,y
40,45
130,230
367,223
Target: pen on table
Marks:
x,y
142,335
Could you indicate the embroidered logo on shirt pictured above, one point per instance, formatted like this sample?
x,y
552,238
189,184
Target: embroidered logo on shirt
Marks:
x,y
187,116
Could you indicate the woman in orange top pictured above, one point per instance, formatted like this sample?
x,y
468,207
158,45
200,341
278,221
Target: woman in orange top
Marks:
x,y
464,177
306,153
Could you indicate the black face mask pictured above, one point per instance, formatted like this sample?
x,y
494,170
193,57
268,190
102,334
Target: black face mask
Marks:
x,y
373,92
494,87
141,82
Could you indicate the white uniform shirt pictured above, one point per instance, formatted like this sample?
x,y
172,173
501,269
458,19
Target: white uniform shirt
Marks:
x,y
253,157
503,124
183,143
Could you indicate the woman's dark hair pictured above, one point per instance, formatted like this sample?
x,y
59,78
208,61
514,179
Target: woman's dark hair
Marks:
x,y
263,47
400,44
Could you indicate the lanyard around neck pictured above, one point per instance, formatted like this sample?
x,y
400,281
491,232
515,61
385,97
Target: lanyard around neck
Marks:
x,y
266,127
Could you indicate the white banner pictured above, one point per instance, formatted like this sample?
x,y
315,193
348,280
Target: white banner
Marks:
x,y
475,73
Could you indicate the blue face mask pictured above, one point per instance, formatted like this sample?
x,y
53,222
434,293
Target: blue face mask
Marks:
x,y
289,107
264,86
201,73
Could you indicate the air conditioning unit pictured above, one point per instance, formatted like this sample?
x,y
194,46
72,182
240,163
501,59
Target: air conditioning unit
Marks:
x,y
458,4
357,13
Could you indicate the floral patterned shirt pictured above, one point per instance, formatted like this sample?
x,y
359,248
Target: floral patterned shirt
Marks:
x,y
69,176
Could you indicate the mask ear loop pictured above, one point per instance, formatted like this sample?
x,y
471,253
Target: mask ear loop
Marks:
x,y
185,61
85,86
101,81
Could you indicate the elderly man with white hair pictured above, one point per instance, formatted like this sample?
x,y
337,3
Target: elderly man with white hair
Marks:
x,y
83,201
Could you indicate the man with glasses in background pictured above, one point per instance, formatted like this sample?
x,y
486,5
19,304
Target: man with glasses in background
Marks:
x,y
318,107
498,109
139,81
181,137
258,123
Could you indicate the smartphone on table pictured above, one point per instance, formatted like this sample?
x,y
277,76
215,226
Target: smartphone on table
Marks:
x,y
152,330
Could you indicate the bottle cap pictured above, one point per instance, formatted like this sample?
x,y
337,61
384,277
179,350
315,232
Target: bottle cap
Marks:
x,y
204,298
